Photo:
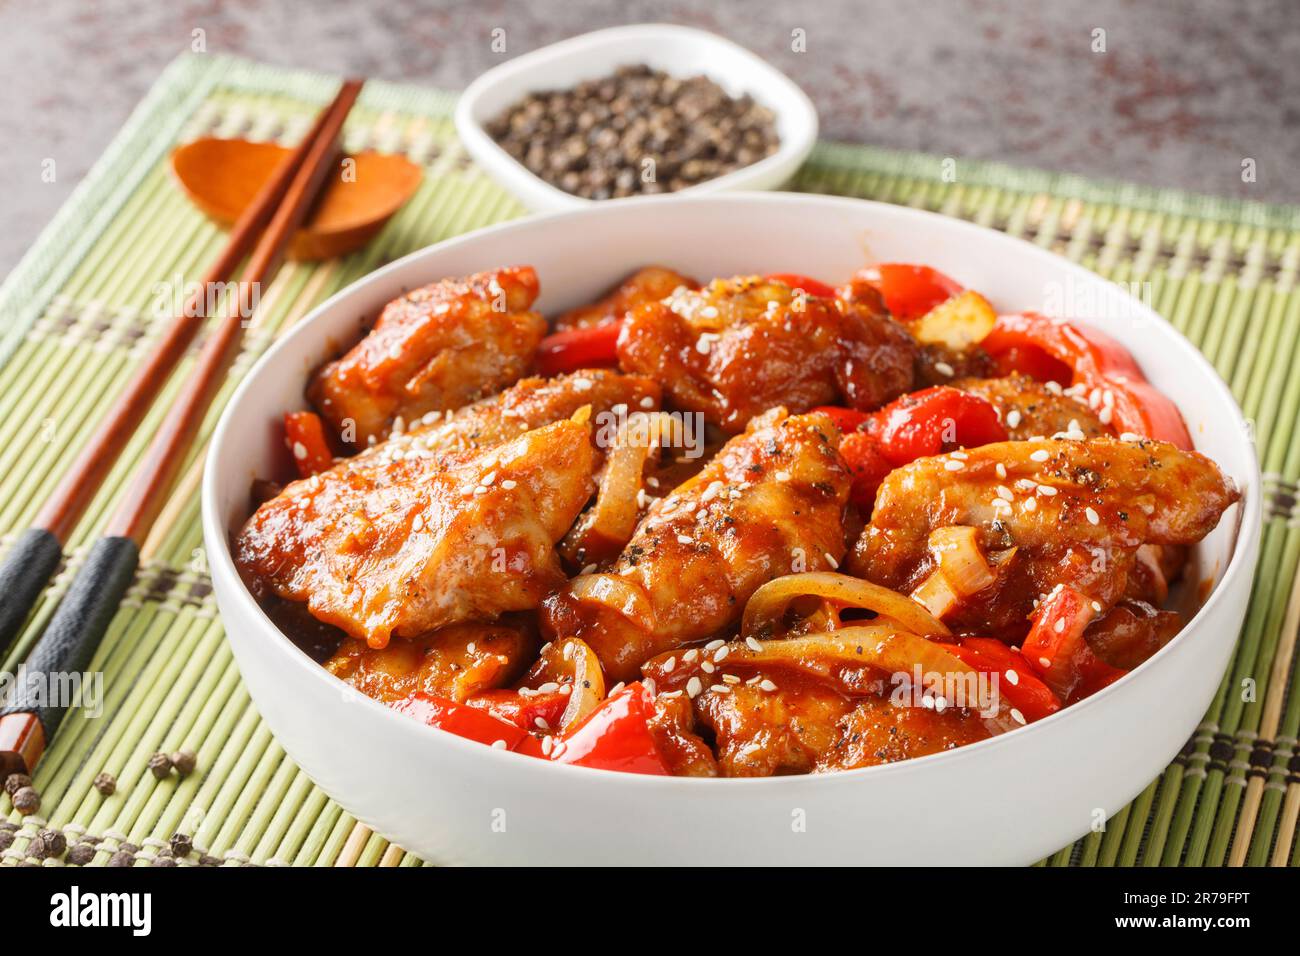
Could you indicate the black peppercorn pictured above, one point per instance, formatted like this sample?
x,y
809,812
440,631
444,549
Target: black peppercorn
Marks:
x,y
27,801
160,765
81,854
106,784
164,861
36,848
121,859
184,761
15,782
6,839
55,842
181,844
206,860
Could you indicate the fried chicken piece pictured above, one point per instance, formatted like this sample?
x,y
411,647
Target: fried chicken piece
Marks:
x,y
878,731
740,346
762,733
456,662
1029,408
1130,632
436,348
771,502
683,750
649,284
530,403
1075,511
385,547
940,365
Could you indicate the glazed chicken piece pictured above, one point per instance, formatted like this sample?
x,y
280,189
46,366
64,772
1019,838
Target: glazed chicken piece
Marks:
x,y
1130,632
456,662
940,365
1075,511
762,733
771,502
529,404
740,346
436,348
385,547
878,731
1030,409
645,285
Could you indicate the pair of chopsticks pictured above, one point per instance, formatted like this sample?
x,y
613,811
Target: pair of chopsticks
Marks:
x,y
33,714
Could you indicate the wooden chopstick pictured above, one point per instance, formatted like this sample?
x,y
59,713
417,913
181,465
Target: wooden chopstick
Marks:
x,y
83,616
32,559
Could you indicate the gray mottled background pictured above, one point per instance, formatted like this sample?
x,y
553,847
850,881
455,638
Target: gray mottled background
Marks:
x,y
1185,90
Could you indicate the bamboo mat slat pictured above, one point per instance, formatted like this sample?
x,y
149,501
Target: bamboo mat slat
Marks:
x,y
81,310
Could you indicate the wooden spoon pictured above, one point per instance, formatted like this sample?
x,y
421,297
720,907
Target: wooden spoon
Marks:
x,y
222,176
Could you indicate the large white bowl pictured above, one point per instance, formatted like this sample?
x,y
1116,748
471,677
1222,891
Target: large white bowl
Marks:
x,y
678,51
1011,799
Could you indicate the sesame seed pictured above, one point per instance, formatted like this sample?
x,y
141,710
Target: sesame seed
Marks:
x,y
1096,606
693,688
1001,470
541,723
670,664
480,490
954,465
498,745
1130,436
685,539
830,559
943,368
1092,516
766,685
1013,417
753,644
615,689
730,679
1041,455
1047,491
959,455
550,687
720,655
647,402
714,644
547,744
690,655
1031,504
299,450
1005,493
707,667
582,384
783,476
1045,662
1017,716
1012,678
720,689
1059,627
487,479
1105,415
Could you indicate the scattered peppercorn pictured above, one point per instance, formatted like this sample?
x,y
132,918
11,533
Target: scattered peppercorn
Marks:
x,y
163,861
206,860
55,842
81,854
182,844
121,859
6,839
106,784
36,847
637,131
184,761
27,801
8,825
15,782
128,848
160,765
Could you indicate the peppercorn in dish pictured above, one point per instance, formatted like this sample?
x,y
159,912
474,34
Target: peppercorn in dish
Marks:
x,y
751,526
636,132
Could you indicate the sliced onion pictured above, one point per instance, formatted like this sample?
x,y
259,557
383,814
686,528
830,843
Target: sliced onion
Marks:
x,y
588,682
609,524
616,593
958,554
936,594
769,603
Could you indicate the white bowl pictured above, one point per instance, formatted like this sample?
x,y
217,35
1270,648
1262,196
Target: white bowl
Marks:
x,y
1011,799
678,51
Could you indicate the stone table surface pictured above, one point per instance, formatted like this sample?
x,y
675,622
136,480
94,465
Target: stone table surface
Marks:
x,y
1182,93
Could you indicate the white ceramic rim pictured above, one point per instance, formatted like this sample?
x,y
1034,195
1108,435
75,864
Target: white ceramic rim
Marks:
x,y
1247,532
477,140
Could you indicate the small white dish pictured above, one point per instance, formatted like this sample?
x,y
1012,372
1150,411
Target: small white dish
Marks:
x,y
1011,799
678,51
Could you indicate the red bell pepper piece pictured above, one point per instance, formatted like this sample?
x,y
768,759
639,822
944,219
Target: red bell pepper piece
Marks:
x,y
459,719
615,736
910,291
515,708
1096,361
1032,361
305,436
919,424
589,346
796,281
1017,681
868,465
1055,647
847,420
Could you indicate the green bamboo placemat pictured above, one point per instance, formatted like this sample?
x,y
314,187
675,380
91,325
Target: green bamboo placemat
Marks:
x,y
81,309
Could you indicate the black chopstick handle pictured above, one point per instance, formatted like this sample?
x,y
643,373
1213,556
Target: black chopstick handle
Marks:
x,y
57,664
25,571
